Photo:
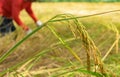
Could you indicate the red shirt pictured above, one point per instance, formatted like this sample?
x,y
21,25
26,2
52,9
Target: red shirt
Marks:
x,y
12,8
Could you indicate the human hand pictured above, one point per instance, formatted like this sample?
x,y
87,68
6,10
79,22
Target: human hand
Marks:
x,y
39,23
28,31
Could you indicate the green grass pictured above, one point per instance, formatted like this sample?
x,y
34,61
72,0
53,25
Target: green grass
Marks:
x,y
59,47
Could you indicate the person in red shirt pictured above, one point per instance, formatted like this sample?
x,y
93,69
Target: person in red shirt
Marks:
x,y
10,10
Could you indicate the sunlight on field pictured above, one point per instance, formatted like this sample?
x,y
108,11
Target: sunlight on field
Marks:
x,y
47,10
75,8
103,30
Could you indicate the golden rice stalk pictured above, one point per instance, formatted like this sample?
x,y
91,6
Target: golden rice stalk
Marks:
x,y
91,49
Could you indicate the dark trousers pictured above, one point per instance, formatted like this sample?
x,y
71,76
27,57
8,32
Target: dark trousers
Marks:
x,y
6,26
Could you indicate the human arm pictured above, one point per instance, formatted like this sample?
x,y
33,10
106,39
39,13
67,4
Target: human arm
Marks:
x,y
16,8
32,15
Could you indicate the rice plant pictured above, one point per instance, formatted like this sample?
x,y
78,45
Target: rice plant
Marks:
x,y
78,31
113,28
63,52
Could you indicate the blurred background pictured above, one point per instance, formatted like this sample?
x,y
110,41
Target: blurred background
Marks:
x,y
79,0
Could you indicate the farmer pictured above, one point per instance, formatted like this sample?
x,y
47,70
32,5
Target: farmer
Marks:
x,y
10,10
